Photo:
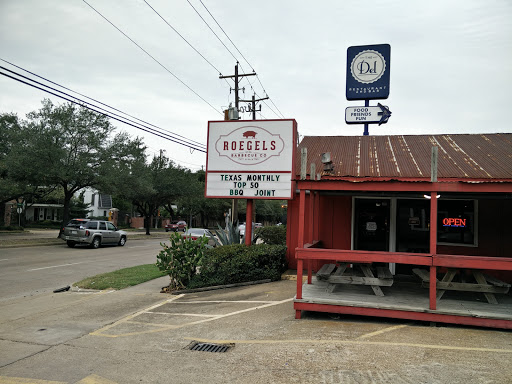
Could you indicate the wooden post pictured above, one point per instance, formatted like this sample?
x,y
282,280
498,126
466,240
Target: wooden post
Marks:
x,y
248,222
302,208
317,217
433,165
303,163
433,249
310,232
433,223
302,219
312,173
433,288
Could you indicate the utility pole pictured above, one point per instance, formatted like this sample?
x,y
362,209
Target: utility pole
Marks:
x,y
236,77
253,102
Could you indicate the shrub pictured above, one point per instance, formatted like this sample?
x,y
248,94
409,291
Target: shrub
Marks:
x,y
238,263
11,228
104,218
181,258
45,224
272,235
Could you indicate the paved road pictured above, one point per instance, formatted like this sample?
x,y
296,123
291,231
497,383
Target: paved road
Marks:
x,y
38,270
138,335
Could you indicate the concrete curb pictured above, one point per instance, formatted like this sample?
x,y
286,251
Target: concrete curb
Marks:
x,y
217,287
35,243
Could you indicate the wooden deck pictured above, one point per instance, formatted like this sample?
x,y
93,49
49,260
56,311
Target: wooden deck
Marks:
x,y
406,300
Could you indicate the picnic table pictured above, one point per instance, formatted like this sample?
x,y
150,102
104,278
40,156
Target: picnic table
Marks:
x,y
486,284
342,274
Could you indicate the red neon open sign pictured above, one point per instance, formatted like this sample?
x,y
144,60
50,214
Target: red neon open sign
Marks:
x,y
454,222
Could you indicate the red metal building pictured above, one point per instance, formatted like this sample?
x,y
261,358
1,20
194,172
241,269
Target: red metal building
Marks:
x,y
400,238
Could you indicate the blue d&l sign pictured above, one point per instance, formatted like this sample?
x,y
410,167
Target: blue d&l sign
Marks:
x,y
368,72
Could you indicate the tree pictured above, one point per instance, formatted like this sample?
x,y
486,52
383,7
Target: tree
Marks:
x,y
195,203
69,147
9,187
153,186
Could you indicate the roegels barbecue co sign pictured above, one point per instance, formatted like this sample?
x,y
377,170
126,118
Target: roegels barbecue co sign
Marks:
x,y
250,159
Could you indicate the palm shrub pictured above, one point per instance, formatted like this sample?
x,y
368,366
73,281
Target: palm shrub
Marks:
x,y
230,235
181,258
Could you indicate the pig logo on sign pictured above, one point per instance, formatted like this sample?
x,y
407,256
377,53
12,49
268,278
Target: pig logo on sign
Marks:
x,y
249,134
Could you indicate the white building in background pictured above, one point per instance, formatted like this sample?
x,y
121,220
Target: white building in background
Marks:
x,y
100,203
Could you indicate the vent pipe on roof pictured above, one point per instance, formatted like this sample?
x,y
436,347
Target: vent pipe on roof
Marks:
x,y
326,160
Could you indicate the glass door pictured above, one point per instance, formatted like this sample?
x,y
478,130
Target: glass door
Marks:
x,y
372,224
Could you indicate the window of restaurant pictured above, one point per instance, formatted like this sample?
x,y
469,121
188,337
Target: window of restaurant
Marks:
x,y
457,222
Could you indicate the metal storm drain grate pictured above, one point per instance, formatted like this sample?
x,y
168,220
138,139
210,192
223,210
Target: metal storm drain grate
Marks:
x,y
209,347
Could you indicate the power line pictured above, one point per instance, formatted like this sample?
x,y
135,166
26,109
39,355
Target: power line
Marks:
x,y
84,104
208,25
180,35
259,80
191,142
90,98
152,57
226,34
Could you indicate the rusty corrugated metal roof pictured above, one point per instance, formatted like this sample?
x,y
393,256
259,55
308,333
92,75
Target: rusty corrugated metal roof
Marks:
x,y
466,156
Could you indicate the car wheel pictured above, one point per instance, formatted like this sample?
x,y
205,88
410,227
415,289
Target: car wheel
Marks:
x,y
184,230
71,244
122,241
96,242
166,229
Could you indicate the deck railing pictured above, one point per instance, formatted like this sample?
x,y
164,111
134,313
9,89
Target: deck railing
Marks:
x,y
311,252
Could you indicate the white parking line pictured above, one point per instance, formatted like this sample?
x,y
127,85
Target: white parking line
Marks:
x,y
180,314
4,259
56,266
225,301
165,327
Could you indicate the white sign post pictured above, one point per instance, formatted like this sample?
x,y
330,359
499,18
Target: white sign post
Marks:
x,y
250,159
367,115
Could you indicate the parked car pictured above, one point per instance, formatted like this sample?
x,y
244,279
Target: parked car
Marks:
x,y
176,225
196,233
77,223
241,228
93,233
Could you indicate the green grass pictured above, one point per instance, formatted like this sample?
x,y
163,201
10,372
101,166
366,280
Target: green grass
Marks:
x,y
121,278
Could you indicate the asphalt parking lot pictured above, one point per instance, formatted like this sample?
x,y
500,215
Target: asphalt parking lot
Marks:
x,y
139,335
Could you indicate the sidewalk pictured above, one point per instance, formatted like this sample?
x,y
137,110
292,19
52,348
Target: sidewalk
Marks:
x,y
139,335
38,237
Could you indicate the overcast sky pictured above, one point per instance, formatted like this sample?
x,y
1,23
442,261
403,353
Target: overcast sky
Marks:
x,y
450,69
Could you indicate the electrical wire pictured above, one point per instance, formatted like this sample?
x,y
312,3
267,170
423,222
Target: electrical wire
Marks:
x,y
90,98
259,80
208,25
84,104
192,142
186,41
152,57
201,1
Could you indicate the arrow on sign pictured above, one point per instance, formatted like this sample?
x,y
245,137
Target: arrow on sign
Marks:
x,y
367,115
386,113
